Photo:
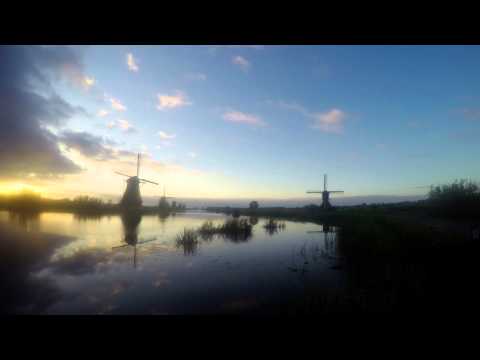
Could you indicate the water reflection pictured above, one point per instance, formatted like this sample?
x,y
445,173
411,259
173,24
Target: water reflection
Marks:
x,y
22,254
84,275
27,220
89,217
130,223
330,248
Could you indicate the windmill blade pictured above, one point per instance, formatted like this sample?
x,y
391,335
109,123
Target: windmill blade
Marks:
x,y
119,173
146,241
314,192
337,191
312,232
121,246
151,182
138,165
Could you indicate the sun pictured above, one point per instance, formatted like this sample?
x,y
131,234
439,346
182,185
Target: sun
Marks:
x,y
17,188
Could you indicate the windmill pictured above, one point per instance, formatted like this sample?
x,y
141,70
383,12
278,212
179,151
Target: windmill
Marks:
x,y
131,198
163,203
325,194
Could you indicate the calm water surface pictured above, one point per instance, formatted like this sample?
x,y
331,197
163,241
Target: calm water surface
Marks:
x,y
107,265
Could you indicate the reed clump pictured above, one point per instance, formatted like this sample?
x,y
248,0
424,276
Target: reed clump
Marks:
x,y
234,229
274,224
188,240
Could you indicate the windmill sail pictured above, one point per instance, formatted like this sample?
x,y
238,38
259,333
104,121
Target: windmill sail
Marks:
x,y
325,194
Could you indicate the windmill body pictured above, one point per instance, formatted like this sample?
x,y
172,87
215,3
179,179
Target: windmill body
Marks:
x,y
131,199
325,194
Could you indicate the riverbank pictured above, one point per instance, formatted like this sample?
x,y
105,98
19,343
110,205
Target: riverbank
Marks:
x,y
417,214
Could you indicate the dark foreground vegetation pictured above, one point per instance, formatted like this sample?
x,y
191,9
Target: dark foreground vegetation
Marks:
x,y
411,258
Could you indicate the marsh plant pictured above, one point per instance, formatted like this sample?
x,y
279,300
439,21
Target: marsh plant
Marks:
x,y
233,229
207,230
188,240
273,226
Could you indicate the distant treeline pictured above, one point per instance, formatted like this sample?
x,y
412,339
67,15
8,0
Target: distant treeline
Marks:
x,y
32,202
459,200
165,206
28,201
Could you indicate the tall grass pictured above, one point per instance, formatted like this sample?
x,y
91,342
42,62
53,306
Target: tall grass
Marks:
x,y
188,240
272,226
233,229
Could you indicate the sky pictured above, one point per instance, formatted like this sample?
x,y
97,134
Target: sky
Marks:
x,y
238,122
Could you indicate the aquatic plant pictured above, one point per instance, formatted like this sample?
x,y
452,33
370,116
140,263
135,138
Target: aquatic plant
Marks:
x,y
234,229
207,230
188,240
272,226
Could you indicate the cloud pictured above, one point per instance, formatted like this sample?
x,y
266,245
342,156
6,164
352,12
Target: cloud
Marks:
x,y
290,106
178,99
131,63
192,154
31,109
116,104
87,144
123,125
165,136
88,82
163,144
243,63
240,117
102,113
471,113
81,262
196,76
330,121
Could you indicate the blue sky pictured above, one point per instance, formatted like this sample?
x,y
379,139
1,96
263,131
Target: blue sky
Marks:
x,y
269,121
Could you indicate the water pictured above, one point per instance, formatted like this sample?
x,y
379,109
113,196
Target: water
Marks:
x,y
59,263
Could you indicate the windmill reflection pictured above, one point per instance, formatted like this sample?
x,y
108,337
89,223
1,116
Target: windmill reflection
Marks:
x,y
130,222
330,248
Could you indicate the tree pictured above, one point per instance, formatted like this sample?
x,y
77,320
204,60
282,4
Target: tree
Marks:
x,y
459,199
253,205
